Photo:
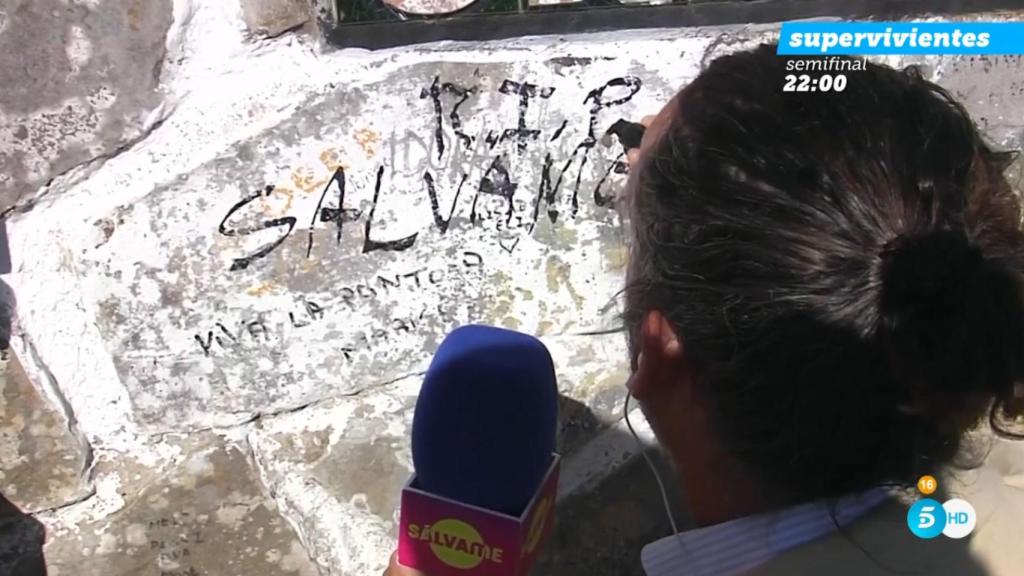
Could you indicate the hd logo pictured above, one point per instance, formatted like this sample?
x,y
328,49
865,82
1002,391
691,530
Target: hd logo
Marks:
x,y
927,518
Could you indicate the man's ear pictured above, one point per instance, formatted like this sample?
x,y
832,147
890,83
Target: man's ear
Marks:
x,y
660,351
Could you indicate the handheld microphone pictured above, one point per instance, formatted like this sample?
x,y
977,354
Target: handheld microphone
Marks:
x,y
483,440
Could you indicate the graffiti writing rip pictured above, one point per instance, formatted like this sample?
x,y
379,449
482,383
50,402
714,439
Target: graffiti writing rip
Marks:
x,y
435,94
525,91
370,245
435,91
338,215
463,94
548,190
598,103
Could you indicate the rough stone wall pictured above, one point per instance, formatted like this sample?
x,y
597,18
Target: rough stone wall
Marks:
x,y
79,80
226,308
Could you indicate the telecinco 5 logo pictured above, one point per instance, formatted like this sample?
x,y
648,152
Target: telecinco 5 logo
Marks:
x,y
927,518
456,543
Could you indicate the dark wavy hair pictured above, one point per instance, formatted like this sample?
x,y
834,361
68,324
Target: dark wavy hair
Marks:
x,y
844,269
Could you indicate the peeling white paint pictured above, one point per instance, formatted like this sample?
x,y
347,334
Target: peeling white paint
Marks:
x,y
78,48
106,501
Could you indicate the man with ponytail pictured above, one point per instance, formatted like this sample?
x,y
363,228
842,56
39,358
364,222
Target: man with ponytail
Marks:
x,y
825,303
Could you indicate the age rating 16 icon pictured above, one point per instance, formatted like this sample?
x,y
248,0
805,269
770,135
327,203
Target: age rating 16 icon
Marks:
x,y
927,518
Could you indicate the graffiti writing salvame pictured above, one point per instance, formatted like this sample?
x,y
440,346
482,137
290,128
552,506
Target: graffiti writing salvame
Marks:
x,y
486,181
497,179
289,221
462,93
549,191
440,221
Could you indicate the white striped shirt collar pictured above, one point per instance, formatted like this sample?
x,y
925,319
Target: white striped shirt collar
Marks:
x,y
739,545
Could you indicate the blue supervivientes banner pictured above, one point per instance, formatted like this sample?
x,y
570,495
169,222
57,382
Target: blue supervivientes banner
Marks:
x,y
861,38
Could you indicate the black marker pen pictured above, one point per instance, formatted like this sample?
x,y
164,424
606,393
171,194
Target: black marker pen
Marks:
x,y
630,134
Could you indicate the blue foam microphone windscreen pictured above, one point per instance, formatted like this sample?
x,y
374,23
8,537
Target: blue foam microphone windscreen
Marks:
x,y
485,423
